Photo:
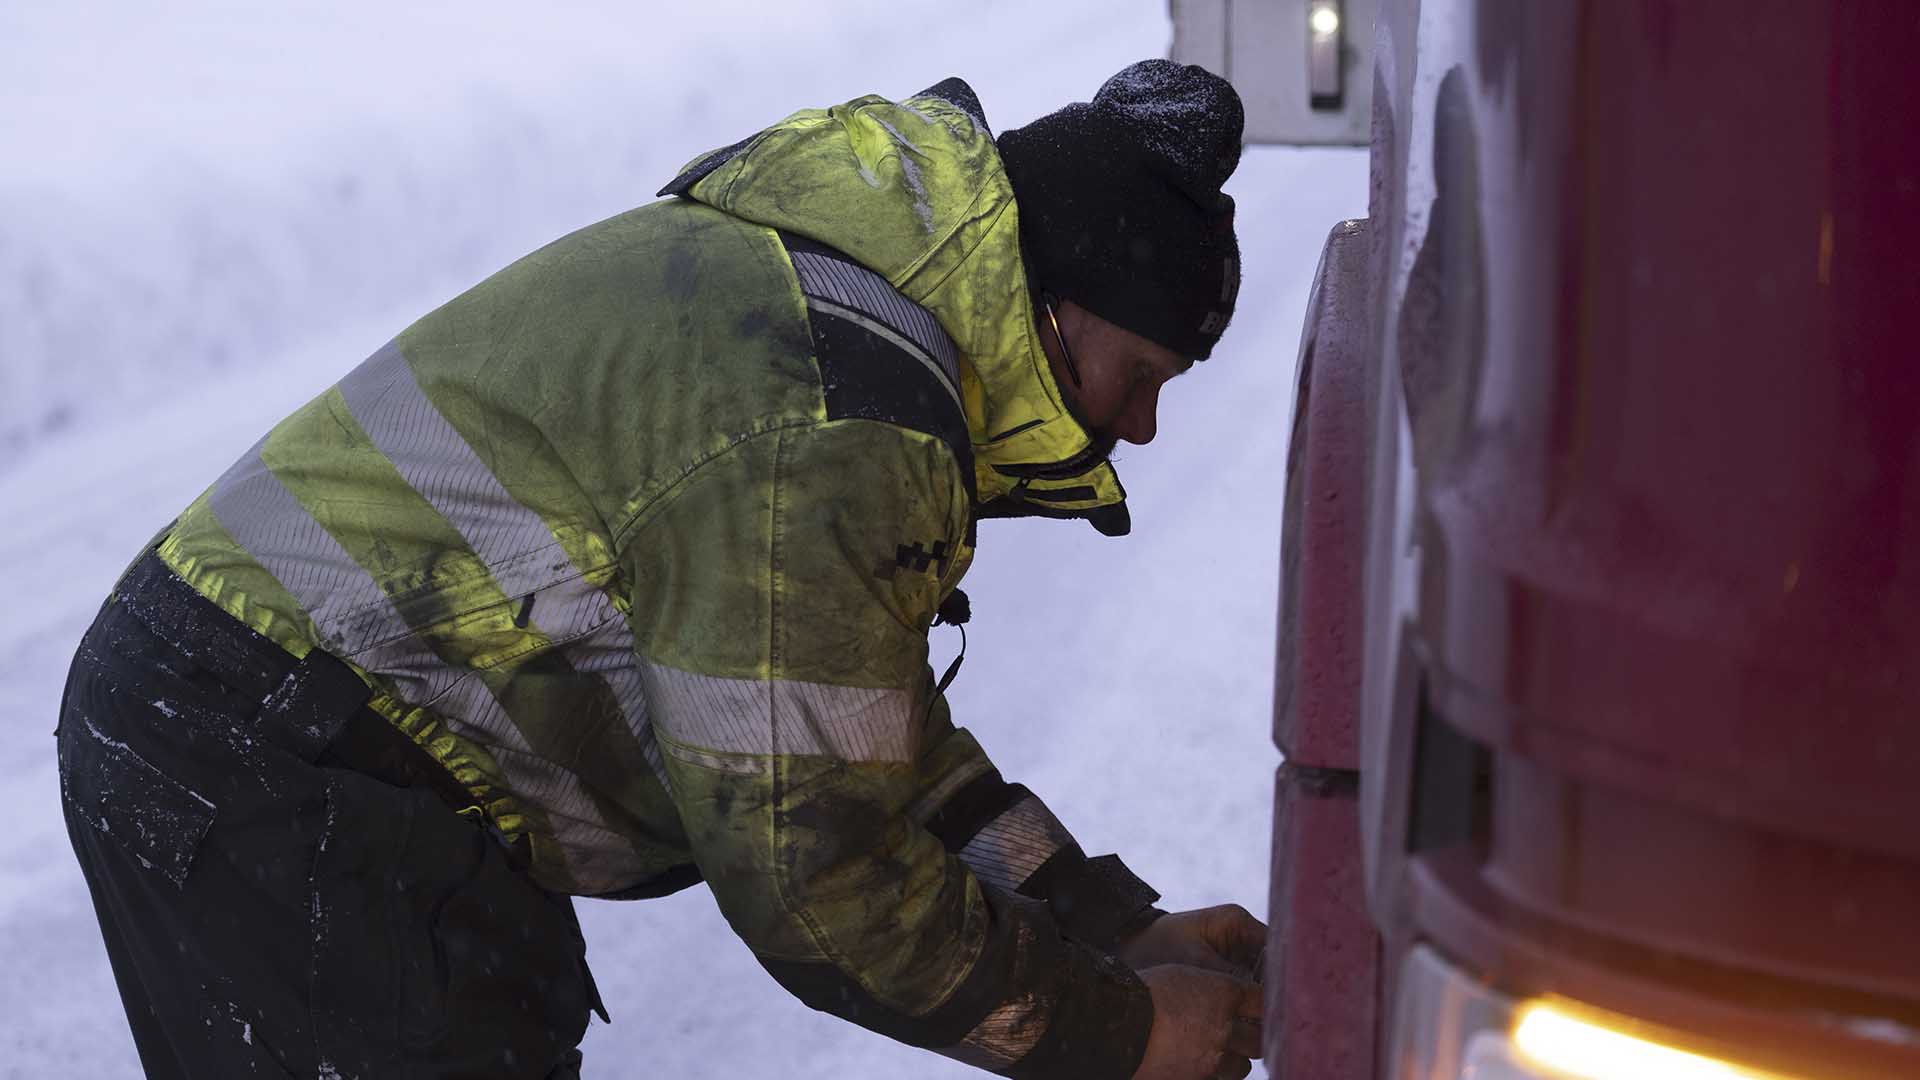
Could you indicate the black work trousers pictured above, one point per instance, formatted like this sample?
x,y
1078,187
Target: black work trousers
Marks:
x,y
273,910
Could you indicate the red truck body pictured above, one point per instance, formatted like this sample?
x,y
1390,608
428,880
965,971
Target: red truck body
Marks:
x,y
1599,660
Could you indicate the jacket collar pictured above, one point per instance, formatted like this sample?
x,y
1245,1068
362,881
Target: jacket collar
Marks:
x,y
915,191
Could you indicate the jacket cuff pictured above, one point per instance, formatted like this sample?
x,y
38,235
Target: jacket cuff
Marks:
x,y
1100,1025
1098,901
1146,917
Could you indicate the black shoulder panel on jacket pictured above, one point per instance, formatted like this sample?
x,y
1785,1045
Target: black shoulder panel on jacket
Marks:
x,y
698,171
881,356
957,93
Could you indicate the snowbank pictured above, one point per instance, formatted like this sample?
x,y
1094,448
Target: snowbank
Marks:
x,y
188,191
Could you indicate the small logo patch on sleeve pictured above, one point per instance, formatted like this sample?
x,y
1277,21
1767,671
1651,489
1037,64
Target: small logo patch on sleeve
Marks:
x,y
917,558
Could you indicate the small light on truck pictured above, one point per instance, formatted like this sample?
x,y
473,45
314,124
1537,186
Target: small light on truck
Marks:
x,y
1326,75
1451,1026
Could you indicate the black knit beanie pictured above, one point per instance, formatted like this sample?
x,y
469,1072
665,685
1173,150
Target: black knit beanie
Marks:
x,y
1120,203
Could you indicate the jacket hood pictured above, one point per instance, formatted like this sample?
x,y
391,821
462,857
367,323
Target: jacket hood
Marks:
x,y
915,191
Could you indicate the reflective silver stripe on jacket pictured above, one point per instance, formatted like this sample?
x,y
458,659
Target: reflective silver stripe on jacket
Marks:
x,y
781,716
1008,849
357,621
1004,1036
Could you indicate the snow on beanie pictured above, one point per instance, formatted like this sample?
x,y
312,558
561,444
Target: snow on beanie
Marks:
x,y
1120,203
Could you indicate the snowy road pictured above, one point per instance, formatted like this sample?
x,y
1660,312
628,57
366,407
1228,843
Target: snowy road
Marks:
x,y
1127,681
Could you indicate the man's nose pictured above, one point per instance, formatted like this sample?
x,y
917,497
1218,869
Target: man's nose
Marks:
x,y
1141,421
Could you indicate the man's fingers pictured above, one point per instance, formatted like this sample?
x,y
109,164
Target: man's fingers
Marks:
x,y
1232,1068
1244,1033
1253,1001
1237,935
1243,1038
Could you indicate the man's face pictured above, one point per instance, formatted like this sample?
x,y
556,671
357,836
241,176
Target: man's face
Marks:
x,y
1121,374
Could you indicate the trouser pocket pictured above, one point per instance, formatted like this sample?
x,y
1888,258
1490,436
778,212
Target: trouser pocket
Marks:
x,y
121,698
196,849
434,955
153,817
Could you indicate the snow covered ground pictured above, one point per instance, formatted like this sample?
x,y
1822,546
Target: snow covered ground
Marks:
x,y
209,211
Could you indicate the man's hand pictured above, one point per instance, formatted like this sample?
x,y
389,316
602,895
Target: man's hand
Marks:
x,y
1224,938
1206,1025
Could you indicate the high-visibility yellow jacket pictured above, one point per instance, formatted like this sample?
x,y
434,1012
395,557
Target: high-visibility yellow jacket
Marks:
x,y
642,538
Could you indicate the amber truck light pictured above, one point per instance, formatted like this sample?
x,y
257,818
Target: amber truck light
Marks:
x,y
1562,1042
1449,1025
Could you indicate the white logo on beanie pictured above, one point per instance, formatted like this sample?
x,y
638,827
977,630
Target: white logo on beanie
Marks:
x,y
1229,285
